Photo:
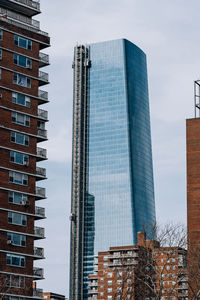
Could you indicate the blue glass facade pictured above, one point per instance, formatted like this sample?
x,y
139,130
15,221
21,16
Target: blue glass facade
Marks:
x,y
119,157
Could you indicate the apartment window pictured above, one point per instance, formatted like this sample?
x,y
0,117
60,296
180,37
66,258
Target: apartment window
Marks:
x,y
105,257
17,219
119,274
21,99
109,282
109,297
20,119
21,80
16,198
18,178
101,294
1,52
119,281
19,138
16,239
105,265
109,290
19,158
15,281
22,61
109,274
22,42
15,260
1,34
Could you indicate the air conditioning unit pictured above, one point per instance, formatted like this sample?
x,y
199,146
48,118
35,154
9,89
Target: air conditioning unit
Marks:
x,y
9,242
25,203
26,163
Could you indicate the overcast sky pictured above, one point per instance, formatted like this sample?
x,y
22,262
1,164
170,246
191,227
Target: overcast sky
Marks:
x,y
168,32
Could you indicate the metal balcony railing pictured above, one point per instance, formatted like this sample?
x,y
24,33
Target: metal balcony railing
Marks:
x,y
40,211
42,133
39,272
43,76
43,114
40,191
43,95
39,231
39,252
44,58
41,152
41,171
33,4
37,292
19,18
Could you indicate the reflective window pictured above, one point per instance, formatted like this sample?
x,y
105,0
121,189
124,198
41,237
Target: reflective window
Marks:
x,y
16,198
15,260
22,61
19,138
19,158
21,99
18,178
21,80
20,119
22,42
17,219
16,239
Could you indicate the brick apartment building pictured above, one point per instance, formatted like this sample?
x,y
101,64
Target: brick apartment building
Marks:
x,y
135,272
22,127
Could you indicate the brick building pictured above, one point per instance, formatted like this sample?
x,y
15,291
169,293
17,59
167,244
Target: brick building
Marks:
x,y
53,296
144,271
22,127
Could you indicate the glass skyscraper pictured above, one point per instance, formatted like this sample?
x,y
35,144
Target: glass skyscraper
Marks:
x,y
112,173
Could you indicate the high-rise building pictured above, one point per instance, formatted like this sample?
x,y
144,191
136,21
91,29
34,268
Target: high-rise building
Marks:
x,y
112,174
22,127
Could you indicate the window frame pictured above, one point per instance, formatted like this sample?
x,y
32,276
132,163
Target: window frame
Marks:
x,y
12,199
23,219
22,260
15,99
17,59
12,237
15,116
17,39
13,158
17,78
14,175
13,138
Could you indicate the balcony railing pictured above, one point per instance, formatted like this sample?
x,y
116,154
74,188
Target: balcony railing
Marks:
x,y
43,76
40,192
44,58
37,292
43,95
41,171
93,284
40,211
39,231
42,152
39,252
33,4
43,114
19,18
42,133
38,272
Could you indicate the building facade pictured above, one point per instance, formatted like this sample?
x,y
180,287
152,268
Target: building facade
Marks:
x,y
144,271
112,174
22,127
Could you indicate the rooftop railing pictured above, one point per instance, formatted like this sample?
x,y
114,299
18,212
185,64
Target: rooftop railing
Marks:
x,y
33,4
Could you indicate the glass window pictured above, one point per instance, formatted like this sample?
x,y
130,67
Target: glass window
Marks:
x,y
16,239
22,42
15,260
17,219
21,99
1,53
20,119
21,80
18,178
16,198
1,34
19,138
19,158
22,61
15,281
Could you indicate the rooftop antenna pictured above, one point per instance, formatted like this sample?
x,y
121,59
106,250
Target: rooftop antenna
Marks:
x,y
197,98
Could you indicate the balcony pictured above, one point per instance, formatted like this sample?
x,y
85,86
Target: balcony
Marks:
x,y
38,253
39,232
43,114
40,192
40,212
43,78
38,273
95,291
43,95
19,18
25,7
41,134
40,173
41,154
93,284
43,59
37,293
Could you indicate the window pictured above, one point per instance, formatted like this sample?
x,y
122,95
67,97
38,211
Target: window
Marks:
x,y
16,198
22,42
15,281
21,99
101,294
19,158
22,61
1,34
105,265
119,274
109,290
105,257
119,281
1,54
109,282
21,80
110,274
109,297
17,219
16,239
20,119
18,178
19,138
15,260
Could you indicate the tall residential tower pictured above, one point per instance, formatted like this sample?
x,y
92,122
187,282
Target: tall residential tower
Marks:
x,y
112,174
22,127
